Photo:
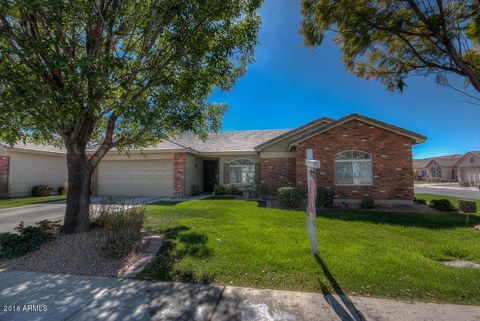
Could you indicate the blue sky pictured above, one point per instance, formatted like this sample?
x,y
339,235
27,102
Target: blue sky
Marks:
x,y
289,85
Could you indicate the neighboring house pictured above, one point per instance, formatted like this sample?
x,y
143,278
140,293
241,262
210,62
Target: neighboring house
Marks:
x,y
469,169
440,168
26,165
359,156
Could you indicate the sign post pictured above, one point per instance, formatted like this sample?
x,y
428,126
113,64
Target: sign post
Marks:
x,y
312,197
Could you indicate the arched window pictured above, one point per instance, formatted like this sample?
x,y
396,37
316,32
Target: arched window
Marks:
x,y
353,168
242,171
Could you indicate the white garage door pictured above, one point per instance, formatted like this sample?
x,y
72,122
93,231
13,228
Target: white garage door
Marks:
x,y
135,178
472,176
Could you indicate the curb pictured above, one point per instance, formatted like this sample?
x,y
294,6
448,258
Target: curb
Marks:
x,y
154,245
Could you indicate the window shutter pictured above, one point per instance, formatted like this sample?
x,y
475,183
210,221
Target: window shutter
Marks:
x,y
226,174
258,174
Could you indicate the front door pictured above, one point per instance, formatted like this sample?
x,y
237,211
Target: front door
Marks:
x,y
210,175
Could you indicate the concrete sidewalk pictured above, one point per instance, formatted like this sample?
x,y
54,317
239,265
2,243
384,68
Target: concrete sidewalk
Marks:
x,y
71,297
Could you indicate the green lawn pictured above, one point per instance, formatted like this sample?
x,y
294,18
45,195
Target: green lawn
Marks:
x,y
383,254
452,199
21,201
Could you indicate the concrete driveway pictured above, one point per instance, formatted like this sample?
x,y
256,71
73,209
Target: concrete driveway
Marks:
x,y
448,190
30,214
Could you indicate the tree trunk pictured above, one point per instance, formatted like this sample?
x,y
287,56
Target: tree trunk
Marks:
x,y
79,191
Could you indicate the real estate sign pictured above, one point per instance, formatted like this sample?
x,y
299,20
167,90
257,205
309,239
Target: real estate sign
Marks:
x,y
312,197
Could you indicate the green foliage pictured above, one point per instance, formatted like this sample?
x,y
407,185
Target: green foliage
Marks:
x,y
290,197
232,190
465,206
219,190
27,238
367,202
391,40
120,226
263,191
442,205
325,197
125,74
420,201
195,190
41,190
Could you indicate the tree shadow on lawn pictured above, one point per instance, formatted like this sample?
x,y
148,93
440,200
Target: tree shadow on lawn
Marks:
x,y
347,312
434,220
178,244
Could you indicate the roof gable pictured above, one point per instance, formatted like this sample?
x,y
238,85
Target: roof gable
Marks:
x,y
468,154
417,138
447,160
317,123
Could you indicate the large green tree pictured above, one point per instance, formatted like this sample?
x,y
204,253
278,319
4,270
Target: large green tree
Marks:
x,y
389,40
119,73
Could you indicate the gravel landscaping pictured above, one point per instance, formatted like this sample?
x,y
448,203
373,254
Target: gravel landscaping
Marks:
x,y
73,254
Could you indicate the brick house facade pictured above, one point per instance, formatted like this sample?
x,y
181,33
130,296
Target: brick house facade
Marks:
x,y
4,169
179,174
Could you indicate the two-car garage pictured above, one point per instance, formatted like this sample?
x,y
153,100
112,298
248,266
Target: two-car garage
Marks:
x,y
135,177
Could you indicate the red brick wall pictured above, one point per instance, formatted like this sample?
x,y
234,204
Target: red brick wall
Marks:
x,y
391,160
4,169
278,172
179,170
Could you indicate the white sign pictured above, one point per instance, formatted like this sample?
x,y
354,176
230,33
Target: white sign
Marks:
x,y
312,197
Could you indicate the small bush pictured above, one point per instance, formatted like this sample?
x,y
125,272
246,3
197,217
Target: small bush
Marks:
x,y
367,202
263,190
420,201
195,190
27,238
232,190
219,190
41,190
325,197
465,206
120,224
442,205
290,197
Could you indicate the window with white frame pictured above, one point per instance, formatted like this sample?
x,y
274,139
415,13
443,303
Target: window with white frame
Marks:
x,y
353,168
242,171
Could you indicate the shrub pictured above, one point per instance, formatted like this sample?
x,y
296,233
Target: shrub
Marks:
x,y
367,202
290,197
219,190
263,190
27,238
120,224
41,190
420,201
465,206
232,190
442,205
195,190
325,197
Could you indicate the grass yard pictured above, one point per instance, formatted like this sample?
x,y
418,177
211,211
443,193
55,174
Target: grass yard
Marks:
x,y
382,254
452,199
21,201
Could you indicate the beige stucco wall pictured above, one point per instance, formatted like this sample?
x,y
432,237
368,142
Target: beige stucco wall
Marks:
x,y
194,174
281,146
28,169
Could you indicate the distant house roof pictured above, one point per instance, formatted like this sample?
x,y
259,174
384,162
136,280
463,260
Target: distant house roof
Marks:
x,y
471,153
447,160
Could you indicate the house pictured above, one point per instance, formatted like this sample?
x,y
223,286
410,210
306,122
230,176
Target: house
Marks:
x,y
26,165
359,156
440,168
468,168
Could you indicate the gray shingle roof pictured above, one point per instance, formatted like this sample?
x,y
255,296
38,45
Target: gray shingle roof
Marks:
x,y
447,160
229,141
37,147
